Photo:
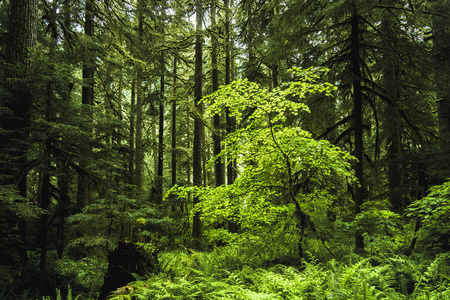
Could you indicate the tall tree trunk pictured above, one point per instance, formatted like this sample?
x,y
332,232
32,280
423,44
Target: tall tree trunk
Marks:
x,y
230,120
218,165
441,38
251,70
357,122
64,176
274,66
230,126
227,43
159,175
44,175
131,138
174,123
197,226
188,145
44,203
162,65
87,99
22,36
392,124
139,95
64,179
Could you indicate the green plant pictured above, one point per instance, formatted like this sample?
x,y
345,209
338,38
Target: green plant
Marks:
x,y
224,274
289,182
86,272
433,211
59,297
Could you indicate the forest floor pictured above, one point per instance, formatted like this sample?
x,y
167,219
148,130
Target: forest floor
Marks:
x,y
233,273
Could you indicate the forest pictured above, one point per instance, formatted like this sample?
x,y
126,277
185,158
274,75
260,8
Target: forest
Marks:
x,y
224,149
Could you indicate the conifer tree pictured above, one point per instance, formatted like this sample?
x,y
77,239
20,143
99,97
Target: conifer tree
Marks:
x,y
441,44
197,230
218,166
87,99
18,99
139,160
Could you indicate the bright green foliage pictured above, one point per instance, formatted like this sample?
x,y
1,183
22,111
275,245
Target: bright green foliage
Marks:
x,y
287,180
434,213
280,166
210,276
382,228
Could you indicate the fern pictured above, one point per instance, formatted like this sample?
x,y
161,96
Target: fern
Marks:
x,y
207,276
59,297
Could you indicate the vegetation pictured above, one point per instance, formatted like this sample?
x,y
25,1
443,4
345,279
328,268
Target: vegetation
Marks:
x,y
224,149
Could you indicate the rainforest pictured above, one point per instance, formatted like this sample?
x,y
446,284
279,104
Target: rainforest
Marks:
x,y
224,149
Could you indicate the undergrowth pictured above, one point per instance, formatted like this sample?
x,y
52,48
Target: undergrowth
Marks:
x,y
225,274
234,272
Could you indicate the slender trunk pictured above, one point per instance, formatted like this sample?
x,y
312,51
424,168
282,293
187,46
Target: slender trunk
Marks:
x,y
227,43
230,120
218,165
64,176
44,176
358,123
87,99
44,189
64,179
197,226
206,155
251,64
44,203
139,163
392,119
188,160
139,94
274,67
188,145
154,120
108,103
159,176
174,123
131,139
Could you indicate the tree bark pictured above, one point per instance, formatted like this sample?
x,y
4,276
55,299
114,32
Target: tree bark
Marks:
x,y
218,165
131,140
22,36
159,175
44,194
274,66
64,175
230,120
87,99
197,226
251,70
441,48
139,95
392,126
357,122
174,123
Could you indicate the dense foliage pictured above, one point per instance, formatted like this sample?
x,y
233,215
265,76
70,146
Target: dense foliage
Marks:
x,y
259,150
